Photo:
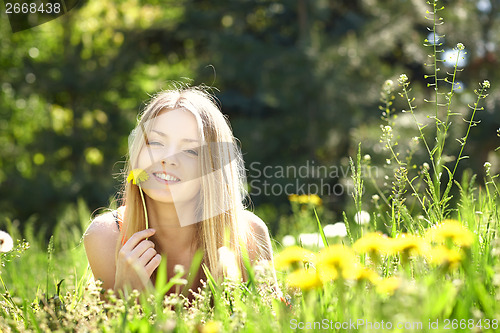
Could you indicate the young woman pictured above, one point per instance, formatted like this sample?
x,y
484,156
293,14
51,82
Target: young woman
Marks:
x,y
184,192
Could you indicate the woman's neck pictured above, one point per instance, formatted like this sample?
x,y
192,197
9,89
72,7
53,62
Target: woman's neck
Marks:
x,y
175,225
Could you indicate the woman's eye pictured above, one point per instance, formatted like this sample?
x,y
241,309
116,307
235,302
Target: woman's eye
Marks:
x,y
192,152
154,143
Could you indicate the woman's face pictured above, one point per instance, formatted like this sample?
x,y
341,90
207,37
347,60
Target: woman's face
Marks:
x,y
170,157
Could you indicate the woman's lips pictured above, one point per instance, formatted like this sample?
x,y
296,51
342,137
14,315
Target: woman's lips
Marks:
x,y
166,178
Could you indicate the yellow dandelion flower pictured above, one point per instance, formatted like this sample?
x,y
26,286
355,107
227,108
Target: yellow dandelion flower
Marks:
x,y
362,273
137,176
443,256
451,231
293,255
408,244
312,199
304,279
388,285
211,327
373,243
335,261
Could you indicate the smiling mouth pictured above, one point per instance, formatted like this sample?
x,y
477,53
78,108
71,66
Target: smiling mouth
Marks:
x,y
166,177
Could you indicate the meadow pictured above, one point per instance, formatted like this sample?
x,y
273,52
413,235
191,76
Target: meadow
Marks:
x,y
418,252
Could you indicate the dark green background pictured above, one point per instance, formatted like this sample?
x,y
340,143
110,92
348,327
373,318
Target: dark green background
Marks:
x,y
300,81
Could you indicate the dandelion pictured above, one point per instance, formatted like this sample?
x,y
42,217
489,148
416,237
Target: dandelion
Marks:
x,y
388,286
408,244
451,231
304,279
6,243
362,273
288,240
443,256
336,261
362,217
335,230
293,255
137,176
374,244
312,199
211,327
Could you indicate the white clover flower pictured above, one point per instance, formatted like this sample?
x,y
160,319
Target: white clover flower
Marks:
x,y
6,242
288,240
335,230
362,217
312,239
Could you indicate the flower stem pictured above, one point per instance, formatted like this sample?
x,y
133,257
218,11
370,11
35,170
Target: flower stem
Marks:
x,y
144,204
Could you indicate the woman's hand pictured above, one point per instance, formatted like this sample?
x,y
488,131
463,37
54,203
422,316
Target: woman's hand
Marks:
x,y
136,261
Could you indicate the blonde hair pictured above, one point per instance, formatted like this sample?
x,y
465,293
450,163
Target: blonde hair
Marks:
x,y
222,183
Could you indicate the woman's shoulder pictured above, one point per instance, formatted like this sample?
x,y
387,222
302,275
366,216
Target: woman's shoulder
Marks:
x,y
103,227
255,223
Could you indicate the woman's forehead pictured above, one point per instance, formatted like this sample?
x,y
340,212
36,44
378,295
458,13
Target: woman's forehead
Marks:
x,y
177,122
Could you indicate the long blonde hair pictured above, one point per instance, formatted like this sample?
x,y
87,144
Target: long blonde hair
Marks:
x,y
222,184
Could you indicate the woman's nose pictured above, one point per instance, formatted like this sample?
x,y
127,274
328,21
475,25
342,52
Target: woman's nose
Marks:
x,y
170,158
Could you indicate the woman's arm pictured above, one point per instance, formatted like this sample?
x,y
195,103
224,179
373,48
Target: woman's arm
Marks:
x,y
262,251
136,260
100,242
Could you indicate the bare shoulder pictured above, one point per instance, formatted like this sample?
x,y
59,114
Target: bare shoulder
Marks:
x,y
260,247
100,240
256,224
102,227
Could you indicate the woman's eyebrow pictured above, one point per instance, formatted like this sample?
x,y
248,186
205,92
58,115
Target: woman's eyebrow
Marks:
x,y
165,135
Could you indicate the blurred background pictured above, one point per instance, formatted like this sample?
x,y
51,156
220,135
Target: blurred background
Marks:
x,y
300,82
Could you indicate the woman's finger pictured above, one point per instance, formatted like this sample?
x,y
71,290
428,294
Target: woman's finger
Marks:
x,y
147,256
137,238
153,264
